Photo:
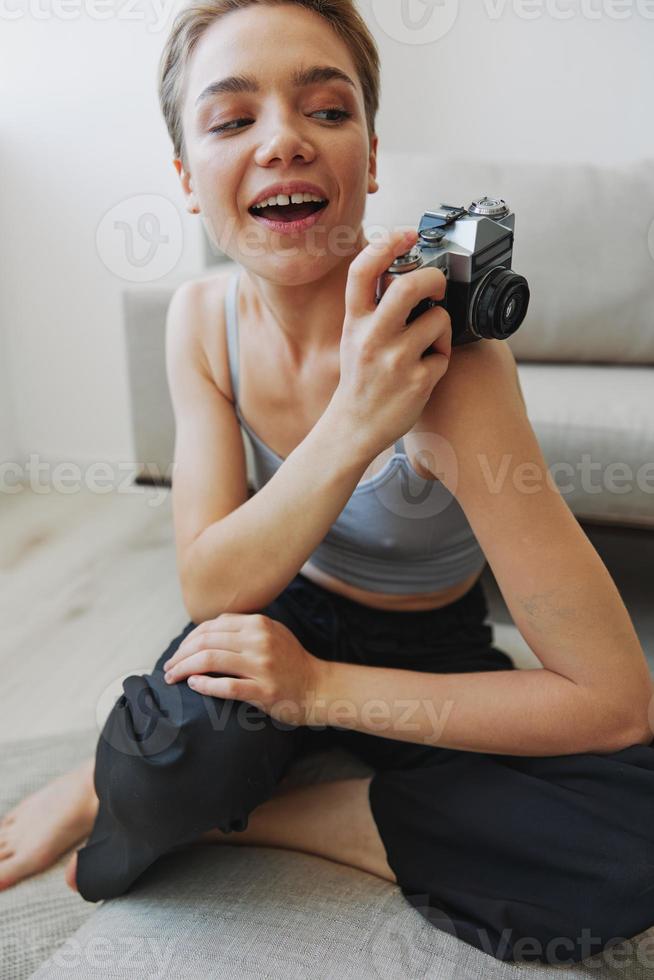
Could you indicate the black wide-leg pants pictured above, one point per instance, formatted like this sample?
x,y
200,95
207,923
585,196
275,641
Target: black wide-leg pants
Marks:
x,y
547,859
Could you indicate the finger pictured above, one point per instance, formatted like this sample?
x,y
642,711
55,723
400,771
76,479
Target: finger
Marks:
x,y
432,331
207,661
216,639
367,267
228,688
405,292
219,640
436,365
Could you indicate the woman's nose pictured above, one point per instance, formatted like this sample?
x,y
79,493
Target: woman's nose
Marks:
x,y
284,142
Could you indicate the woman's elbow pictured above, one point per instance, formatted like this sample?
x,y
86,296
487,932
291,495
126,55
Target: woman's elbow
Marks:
x,y
634,729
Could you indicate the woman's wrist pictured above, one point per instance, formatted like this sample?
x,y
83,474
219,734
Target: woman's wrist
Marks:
x,y
319,700
349,432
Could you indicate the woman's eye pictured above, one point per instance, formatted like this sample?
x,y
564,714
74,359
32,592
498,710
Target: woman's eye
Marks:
x,y
341,116
227,125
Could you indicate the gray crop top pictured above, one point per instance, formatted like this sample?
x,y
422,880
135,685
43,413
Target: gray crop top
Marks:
x,y
398,533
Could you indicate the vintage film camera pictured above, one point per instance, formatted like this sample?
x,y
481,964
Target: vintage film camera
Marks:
x,y
473,247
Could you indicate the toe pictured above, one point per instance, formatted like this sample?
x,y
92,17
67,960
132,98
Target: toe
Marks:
x,y
10,873
71,872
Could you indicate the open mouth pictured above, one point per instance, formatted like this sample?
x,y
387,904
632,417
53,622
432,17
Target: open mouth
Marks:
x,y
288,212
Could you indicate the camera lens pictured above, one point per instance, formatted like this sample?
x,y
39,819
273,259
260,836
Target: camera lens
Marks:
x,y
500,304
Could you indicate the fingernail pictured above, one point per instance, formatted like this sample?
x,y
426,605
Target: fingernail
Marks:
x,y
167,678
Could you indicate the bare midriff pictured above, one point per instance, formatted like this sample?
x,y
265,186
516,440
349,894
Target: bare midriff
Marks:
x,y
384,600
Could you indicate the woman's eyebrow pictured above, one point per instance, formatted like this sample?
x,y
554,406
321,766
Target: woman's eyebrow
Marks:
x,y
300,78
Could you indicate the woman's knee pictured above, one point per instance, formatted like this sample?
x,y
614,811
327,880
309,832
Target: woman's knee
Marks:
x,y
167,752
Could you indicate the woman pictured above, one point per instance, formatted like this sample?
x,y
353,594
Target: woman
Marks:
x,y
342,602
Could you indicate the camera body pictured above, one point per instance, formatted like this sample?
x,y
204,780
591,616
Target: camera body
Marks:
x,y
473,247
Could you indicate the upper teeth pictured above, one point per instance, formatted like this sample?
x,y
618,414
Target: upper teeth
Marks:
x,y
298,198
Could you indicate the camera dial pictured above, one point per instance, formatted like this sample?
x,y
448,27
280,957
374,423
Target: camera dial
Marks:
x,y
408,261
432,236
489,207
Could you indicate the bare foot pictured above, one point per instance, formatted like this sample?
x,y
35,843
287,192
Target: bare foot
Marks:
x,y
46,824
71,872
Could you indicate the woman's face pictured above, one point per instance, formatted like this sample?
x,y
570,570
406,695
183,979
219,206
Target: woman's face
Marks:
x,y
280,132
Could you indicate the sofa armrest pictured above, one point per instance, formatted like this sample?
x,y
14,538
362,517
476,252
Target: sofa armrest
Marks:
x,y
151,411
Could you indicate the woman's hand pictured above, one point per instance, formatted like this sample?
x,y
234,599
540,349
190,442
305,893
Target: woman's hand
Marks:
x,y
385,382
265,663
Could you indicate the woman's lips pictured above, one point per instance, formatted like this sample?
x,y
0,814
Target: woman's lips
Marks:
x,y
290,227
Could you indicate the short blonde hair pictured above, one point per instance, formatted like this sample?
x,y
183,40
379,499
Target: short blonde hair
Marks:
x,y
192,21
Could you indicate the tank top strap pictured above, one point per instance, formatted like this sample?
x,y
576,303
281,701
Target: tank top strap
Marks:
x,y
399,446
231,324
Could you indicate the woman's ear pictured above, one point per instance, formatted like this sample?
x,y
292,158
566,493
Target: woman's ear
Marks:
x,y
187,187
373,186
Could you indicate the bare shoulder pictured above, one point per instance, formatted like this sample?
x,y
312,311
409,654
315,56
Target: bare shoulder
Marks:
x,y
480,375
204,298
483,355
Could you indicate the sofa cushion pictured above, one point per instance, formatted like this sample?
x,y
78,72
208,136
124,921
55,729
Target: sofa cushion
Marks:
x,y
584,238
595,425
219,912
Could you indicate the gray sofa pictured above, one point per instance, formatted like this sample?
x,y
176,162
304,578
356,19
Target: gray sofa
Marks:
x,y
586,364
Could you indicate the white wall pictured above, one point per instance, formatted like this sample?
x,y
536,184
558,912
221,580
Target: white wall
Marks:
x,y
80,132
498,86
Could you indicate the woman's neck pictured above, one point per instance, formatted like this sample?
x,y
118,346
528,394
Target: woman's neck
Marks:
x,y
308,317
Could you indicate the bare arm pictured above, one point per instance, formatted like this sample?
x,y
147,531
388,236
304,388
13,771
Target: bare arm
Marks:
x,y
240,563
595,686
236,554
504,712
